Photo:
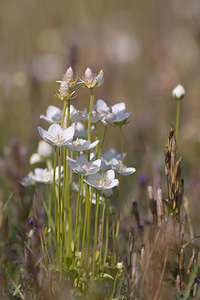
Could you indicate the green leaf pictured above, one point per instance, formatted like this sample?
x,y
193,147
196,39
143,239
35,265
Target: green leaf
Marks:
x,y
17,290
169,208
105,275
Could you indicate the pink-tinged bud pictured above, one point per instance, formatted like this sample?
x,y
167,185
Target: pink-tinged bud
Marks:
x,y
69,75
89,77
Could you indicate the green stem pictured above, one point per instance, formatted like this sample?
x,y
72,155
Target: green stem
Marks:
x,y
64,111
119,207
88,218
59,206
96,228
54,192
90,113
102,229
121,141
96,138
107,232
114,242
49,218
77,211
81,219
120,189
84,231
177,118
103,140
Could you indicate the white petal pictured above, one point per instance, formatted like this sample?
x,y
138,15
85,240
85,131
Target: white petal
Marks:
x,y
45,118
118,107
127,171
112,184
82,160
92,145
101,106
97,162
69,133
108,155
55,130
35,158
45,135
52,110
110,174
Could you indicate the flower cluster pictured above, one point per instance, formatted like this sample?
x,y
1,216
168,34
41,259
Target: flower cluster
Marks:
x,y
79,154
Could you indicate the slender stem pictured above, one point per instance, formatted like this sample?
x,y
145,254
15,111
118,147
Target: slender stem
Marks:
x,y
77,211
90,113
95,228
49,218
120,187
84,231
114,242
64,111
54,192
88,218
69,188
177,118
119,207
96,137
107,232
102,229
121,141
81,219
59,205
103,140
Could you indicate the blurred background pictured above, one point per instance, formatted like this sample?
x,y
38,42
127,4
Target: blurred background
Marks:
x,y
145,48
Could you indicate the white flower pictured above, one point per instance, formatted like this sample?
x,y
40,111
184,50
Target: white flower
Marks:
x,y
56,136
45,176
80,131
108,156
117,116
90,80
82,166
53,114
81,145
179,92
102,182
102,108
44,151
112,153
120,168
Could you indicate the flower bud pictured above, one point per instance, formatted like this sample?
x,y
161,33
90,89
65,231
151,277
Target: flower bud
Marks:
x,y
44,149
63,90
69,77
179,92
89,77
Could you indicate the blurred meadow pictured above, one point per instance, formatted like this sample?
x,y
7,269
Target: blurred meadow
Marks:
x,y
145,49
